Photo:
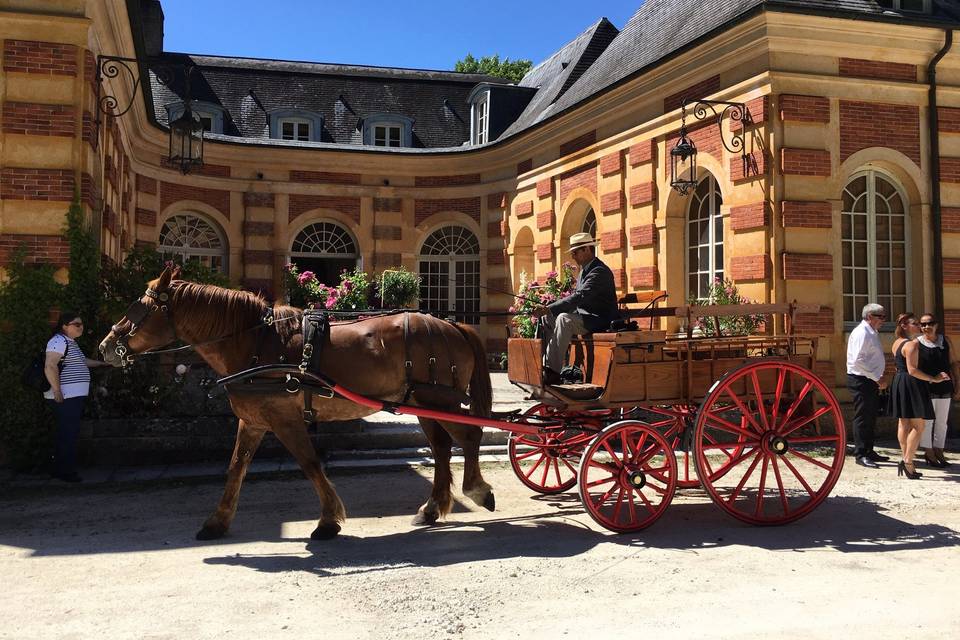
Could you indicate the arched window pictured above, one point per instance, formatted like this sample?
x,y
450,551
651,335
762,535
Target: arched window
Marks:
x,y
590,224
326,249
704,239
450,273
187,236
874,236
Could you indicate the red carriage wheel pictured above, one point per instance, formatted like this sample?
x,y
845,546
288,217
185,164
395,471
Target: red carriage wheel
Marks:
x,y
671,420
769,442
628,476
546,462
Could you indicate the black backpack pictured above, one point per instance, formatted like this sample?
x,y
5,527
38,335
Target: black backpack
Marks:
x,y
33,376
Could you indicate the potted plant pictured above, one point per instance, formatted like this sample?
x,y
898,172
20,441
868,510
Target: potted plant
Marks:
x,y
398,288
556,285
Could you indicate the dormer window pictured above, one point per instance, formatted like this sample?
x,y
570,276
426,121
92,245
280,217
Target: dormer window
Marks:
x,y
387,130
480,124
914,6
296,125
295,129
209,115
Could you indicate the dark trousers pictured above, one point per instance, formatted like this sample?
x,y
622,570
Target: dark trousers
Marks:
x,y
68,414
866,404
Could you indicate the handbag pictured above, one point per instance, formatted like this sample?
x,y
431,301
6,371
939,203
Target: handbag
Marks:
x,y
35,377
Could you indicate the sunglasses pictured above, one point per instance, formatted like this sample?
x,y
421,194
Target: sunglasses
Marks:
x,y
932,323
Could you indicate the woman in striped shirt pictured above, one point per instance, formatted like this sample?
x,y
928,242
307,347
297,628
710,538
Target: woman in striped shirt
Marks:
x,y
68,372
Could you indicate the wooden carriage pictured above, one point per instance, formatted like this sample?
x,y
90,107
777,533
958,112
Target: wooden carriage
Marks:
x,y
745,417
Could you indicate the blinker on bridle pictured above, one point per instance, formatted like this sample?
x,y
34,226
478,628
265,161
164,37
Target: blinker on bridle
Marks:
x,y
137,313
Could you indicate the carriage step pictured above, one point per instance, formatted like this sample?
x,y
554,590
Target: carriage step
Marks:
x,y
578,391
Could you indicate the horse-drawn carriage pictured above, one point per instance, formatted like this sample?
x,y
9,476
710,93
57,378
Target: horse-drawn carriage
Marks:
x,y
748,419
744,417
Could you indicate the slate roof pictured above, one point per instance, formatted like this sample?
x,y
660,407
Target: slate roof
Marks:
x,y
661,28
342,94
598,59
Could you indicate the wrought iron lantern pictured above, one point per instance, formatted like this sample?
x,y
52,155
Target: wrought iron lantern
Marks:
x,y
683,164
186,132
683,157
186,141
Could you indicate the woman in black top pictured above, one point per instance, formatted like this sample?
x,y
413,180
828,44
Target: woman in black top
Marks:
x,y
909,395
936,355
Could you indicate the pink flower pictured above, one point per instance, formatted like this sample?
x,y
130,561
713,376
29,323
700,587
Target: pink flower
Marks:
x,y
512,309
551,274
347,286
331,301
306,277
289,267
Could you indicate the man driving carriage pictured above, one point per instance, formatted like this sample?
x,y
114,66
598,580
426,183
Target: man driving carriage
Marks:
x,y
590,308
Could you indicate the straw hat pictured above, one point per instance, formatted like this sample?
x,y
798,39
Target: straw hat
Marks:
x,y
579,240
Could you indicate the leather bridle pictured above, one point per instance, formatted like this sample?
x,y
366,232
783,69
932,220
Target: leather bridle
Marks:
x,y
137,314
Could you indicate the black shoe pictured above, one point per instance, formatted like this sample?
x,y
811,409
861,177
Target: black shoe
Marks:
x,y
551,377
865,461
876,457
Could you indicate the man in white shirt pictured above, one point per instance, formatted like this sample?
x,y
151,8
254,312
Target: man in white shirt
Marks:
x,y
865,366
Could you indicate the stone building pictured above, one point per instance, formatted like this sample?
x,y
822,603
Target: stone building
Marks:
x,y
847,189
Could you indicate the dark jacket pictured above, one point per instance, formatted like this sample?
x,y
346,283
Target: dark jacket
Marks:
x,y
595,297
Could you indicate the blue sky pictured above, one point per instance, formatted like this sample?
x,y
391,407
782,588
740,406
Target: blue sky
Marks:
x,y
425,35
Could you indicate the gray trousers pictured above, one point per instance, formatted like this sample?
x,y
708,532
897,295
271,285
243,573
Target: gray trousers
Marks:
x,y
559,332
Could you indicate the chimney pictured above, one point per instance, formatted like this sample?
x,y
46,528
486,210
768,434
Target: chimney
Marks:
x,y
151,13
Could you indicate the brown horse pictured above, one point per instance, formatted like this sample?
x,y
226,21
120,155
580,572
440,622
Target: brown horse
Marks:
x,y
367,357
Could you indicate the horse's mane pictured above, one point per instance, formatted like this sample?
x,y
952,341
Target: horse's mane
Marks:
x,y
215,311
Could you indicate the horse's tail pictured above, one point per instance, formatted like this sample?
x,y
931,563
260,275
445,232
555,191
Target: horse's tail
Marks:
x,y
481,392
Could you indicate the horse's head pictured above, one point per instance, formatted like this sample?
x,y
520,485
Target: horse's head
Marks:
x,y
147,323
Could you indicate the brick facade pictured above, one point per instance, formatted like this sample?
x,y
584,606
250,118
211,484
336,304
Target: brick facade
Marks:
x,y
644,235
447,181
497,200
254,199
950,219
257,256
819,324
805,162
388,205
585,176
748,166
644,277
46,58
642,152
544,252
301,203
810,215
801,266
950,170
750,268
216,198
387,232
145,217
55,185
28,118
324,177
858,68
524,166
423,209
545,220
749,216
874,124
523,209
612,201
611,163
146,185
814,109
951,270
643,193
544,187
948,119
40,249
611,240
252,228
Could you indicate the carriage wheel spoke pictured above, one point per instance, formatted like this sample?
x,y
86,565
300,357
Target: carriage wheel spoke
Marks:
x,y
546,470
783,495
759,397
796,474
646,502
631,507
814,416
743,480
572,468
811,460
730,465
596,483
723,425
529,454
811,439
796,403
617,505
556,470
543,457
778,394
744,411
763,481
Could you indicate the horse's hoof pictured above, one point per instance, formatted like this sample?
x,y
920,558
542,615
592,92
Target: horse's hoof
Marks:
x,y
424,519
490,503
209,532
325,531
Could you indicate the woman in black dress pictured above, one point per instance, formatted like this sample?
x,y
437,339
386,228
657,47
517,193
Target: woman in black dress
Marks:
x,y
909,392
936,354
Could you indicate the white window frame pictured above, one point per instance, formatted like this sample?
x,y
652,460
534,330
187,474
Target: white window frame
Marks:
x,y
277,117
204,254
200,110
297,123
590,223
480,119
713,269
388,128
871,241
452,260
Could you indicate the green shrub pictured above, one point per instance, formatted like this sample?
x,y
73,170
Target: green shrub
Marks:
x,y
26,299
723,292
398,289
305,290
